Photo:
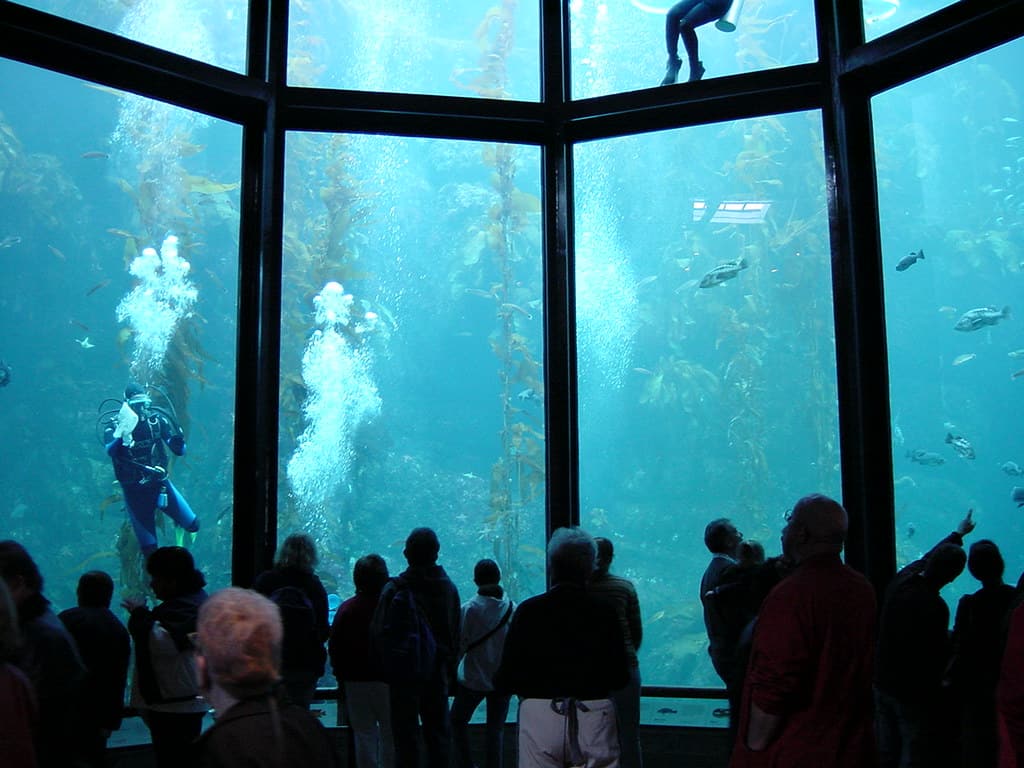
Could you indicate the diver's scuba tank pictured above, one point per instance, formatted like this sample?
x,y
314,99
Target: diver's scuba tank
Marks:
x,y
728,21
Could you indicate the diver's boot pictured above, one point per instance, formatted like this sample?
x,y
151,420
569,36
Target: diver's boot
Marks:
x,y
696,71
672,70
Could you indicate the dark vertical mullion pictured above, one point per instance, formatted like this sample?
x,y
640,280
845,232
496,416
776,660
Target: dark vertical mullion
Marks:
x,y
559,300
254,529
861,358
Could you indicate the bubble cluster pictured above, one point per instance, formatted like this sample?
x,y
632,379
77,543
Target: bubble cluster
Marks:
x,y
162,298
341,396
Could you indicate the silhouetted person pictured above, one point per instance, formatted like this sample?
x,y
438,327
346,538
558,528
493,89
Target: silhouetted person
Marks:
x,y
48,657
913,650
164,685
977,654
357,669
238,656
484,625
722,539
682,20
105,647
807,695
304,615
438,599
621,595
19,713
564,655
1010,695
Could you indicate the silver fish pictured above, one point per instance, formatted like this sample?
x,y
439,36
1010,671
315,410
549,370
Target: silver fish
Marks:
x,y
528,394
908,261
961,445
1012,468
723,272
980,317
927,458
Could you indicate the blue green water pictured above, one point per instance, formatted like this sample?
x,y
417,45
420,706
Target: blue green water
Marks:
x,y
421,401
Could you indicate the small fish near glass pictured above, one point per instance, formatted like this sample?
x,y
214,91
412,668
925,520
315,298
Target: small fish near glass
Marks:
x,y
974,319
961,445
908,261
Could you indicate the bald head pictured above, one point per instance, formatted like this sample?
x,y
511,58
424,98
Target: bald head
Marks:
x,y
817,525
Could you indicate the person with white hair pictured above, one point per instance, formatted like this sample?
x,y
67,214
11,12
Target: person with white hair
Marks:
x,y
564,656
238,661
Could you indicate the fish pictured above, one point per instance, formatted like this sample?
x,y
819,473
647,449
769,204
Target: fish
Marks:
x,y
977,318
5,374
947,310
57,252
98,286
926,458
508,307
961,445
1012,468
961,359
83,326
1016,353
95,155
9,240
529,394
1017,495
121,233
85,343
1017,374
911,530
666,711
908,261
723,272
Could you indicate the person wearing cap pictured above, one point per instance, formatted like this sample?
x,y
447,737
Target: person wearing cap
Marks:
x,y
137,440
238,663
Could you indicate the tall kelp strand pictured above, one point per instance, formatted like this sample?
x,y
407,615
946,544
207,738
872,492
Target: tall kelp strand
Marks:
x,y
517,476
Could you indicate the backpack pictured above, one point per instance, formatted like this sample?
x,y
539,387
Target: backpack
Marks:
x,y
301,639
401,637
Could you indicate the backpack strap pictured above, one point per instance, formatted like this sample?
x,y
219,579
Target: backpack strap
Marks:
x,y
495,628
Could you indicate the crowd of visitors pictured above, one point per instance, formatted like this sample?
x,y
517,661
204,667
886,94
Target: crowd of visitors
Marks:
x,y
819,671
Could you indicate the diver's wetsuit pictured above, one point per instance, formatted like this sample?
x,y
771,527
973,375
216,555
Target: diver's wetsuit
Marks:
x,y
142,472
683,18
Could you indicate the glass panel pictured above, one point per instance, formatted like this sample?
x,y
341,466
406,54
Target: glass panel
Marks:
x,y
212,31
950,157
85,308
411,381
704,310
883,16
490,50
621,46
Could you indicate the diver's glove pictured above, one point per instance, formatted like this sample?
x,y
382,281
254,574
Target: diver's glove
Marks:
x,y
177,444
127,420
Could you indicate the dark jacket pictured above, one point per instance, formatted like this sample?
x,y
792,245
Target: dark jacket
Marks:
x,y
913,633
105,647
439,600
265,732
565,642
300,662
349,646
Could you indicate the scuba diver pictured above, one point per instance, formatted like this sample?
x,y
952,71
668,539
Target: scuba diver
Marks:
x,y
135,437
682,20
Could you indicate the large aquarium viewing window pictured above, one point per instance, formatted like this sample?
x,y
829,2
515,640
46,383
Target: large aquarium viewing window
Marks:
x,y
119,243
489,50
411,353
704,314
950,151
350,268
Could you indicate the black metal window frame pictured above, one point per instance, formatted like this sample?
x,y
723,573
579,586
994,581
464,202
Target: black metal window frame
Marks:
x,y
841,83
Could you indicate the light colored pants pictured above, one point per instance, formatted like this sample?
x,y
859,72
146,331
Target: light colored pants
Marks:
x,y
544,734
369,714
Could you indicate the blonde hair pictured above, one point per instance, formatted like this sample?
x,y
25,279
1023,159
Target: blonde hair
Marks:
x,y
240,637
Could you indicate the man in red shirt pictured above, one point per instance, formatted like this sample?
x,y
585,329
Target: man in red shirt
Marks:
x,y
807,697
